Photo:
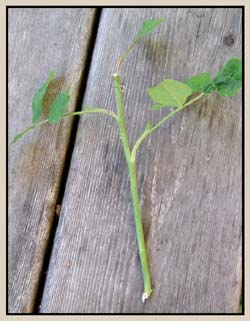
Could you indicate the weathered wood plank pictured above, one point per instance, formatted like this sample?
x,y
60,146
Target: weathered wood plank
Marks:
x,y
40,40
189,175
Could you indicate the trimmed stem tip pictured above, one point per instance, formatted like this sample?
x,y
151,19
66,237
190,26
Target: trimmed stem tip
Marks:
x,y
145,296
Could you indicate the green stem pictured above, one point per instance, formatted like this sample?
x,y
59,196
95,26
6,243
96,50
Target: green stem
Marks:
x,y
26,131
89,110
133,186
149,130
124,56
139,231
121,117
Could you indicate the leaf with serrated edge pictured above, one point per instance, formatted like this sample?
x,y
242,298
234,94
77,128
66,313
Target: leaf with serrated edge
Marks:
x,y
58,107
37,102
201,83
148,26
170,93
228,81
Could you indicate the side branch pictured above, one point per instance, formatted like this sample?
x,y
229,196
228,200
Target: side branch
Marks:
x,y
88,110
149,129
92,111
124,56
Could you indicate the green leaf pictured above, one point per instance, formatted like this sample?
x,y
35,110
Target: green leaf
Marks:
x,y
58,107
170,93
228,81
148,26
37,103
201,83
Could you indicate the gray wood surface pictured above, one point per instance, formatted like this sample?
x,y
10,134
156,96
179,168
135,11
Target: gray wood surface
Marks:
x,y
40,40
189,173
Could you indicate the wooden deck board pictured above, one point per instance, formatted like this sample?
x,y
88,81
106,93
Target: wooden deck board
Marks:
x,y
189,173
40,40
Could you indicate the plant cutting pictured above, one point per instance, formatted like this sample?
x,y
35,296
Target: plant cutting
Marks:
x,y
170,94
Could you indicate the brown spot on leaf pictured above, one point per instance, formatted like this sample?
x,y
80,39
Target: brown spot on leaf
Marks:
x,y
54,88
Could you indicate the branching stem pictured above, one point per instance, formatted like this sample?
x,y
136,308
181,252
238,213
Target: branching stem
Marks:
x,y
133,187
131,163
130,157
231,85
148,130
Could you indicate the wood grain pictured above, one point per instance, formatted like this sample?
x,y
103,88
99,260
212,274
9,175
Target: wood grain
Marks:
x,y
40,40
189,173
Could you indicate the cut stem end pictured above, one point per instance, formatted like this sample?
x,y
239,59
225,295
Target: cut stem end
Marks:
x,y
146,295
